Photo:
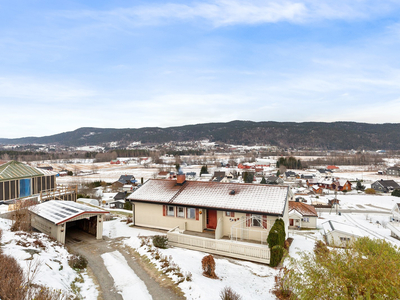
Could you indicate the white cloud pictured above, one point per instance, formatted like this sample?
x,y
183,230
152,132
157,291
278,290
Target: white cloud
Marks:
x,y
232,12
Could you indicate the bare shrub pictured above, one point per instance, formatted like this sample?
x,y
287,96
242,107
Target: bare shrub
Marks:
x,y
11,279
208,265
21,217
228,294
281,289
370,191
188,276
38,243
129,220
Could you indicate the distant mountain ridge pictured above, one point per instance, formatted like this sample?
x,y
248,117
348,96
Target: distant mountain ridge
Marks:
x,y
316,135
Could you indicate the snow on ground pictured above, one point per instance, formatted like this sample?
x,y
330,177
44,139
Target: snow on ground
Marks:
x,y
300,244
357,201
259,278
52,259
127,283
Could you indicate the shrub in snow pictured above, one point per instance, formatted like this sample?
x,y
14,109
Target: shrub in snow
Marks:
x,y
208,265
321,249
368,270
78,262
160,241
370,191
228,294
276,255
188,276
129,220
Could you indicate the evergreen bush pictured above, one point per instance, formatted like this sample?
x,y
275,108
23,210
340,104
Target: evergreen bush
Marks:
x,y
160,241
276,255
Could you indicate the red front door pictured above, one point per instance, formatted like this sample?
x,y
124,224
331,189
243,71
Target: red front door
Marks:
x,y
211,219
290,222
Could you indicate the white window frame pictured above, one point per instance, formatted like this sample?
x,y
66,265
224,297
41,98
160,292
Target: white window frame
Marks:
x,y
189,215
256,221
180,214
170,213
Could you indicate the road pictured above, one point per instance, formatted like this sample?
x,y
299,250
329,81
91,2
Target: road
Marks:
x,y
85,244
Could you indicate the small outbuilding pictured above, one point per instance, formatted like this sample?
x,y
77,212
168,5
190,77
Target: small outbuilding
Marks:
x,y
339,234
55,218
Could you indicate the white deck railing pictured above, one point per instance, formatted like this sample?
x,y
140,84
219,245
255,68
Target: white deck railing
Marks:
x,y
241,250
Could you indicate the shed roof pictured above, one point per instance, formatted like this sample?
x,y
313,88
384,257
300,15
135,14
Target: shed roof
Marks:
x,y
344,228
16,170
59,212
227,196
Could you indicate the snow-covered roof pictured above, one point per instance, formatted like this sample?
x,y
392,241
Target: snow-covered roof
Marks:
x,y
59,212
344,228
88,201
227,196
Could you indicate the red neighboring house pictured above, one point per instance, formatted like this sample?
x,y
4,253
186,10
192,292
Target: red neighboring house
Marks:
x,y
332,167
241,166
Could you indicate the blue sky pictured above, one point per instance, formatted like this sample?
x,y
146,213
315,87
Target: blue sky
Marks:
x,y
132,64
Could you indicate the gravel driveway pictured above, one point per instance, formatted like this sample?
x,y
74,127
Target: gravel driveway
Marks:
x,y
82,243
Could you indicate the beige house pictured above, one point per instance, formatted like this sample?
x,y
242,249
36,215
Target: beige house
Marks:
x,y
195,211
302,215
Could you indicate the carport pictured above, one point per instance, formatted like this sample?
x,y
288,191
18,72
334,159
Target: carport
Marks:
x,y
56,217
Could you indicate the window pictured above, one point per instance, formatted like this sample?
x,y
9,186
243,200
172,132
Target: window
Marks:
x,y
181,212
256,221
191,213
306,220
170,211
230,214
344,239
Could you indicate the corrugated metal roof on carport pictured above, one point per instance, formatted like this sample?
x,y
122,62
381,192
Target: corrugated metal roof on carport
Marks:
x,y
16,170
60,212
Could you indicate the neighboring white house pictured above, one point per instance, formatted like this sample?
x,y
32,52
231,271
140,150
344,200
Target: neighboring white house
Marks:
x,y
394,224
302,215
339,234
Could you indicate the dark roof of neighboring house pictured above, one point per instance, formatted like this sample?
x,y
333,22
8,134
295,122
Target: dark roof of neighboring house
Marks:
x,y
304,209
290,173
251,198
394,168
219,174
272,179
120,196
388,183
126,179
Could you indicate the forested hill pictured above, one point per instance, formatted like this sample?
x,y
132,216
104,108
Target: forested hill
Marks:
x,y
317,135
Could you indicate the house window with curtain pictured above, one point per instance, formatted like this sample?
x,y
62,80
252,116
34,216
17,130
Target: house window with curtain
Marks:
x,y
190,213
